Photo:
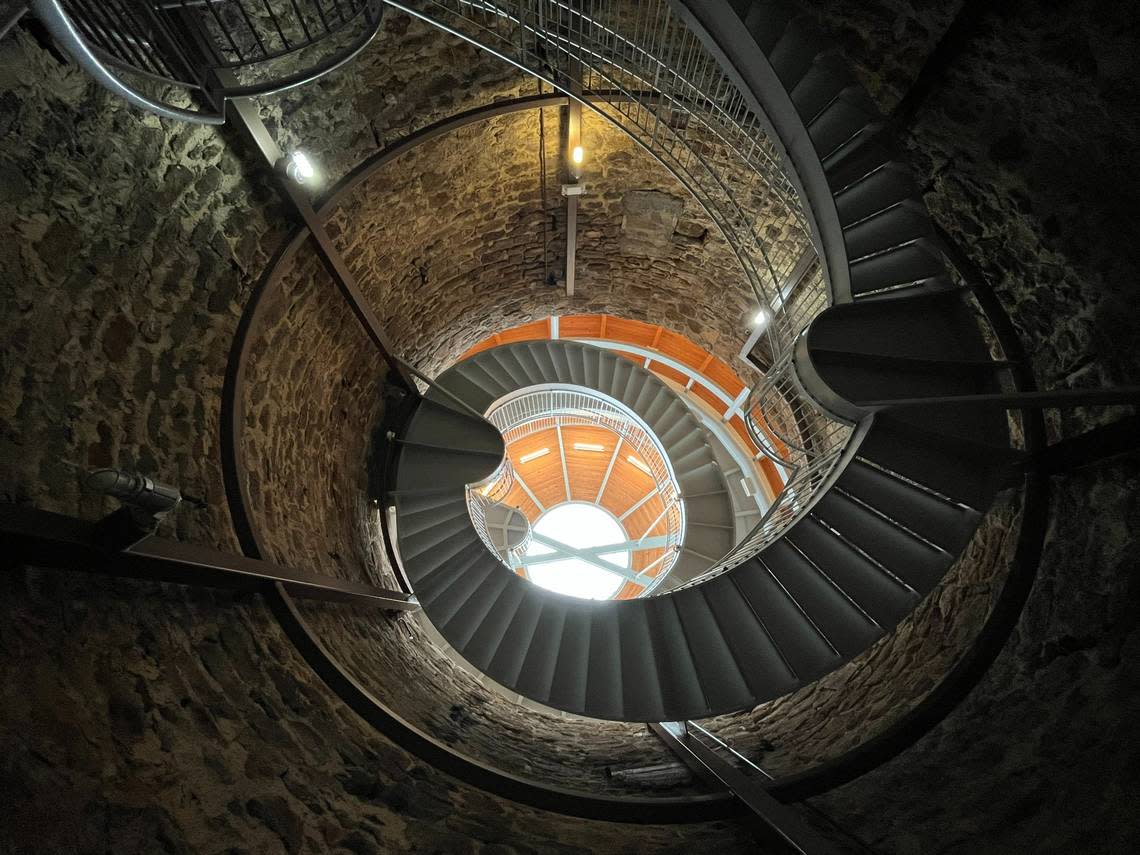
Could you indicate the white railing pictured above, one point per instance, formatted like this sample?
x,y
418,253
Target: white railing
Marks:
x,y
485,495
637,64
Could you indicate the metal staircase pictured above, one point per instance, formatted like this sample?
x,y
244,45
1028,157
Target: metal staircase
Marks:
x,y
861,551
853,554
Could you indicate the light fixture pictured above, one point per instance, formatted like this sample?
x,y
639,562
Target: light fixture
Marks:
x,y
577,155
761,318
589,446
639,465
300,168
534,455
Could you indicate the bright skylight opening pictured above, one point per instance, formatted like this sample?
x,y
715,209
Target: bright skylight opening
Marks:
x,y
578,527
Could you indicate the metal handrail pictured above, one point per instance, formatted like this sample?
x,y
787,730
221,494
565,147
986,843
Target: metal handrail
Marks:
x,y
485,495
201,45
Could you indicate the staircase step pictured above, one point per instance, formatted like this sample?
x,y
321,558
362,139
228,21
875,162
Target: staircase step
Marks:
x,y
847,115
760,661
485,641
846,627
884,597
508,660
721,679
802,646
903,265
888,185
472,613
604,677
767,21
914,561
538,667
827,79
640,683
891,227
946,524
676,671
571,672
445,604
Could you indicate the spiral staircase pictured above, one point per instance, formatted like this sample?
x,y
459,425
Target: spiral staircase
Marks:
x,y
897,357
899,507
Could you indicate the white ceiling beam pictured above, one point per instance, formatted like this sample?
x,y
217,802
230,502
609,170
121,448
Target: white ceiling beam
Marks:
x,y
529,492
609,469
639,503
562,454
568,551
626,546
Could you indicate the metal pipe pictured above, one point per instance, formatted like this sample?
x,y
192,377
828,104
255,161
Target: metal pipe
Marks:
x,y
13,19
63,31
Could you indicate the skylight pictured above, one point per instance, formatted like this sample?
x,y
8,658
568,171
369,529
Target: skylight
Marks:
x,y
577,527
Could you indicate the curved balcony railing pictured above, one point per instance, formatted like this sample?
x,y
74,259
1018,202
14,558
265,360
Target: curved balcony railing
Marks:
x,y
643,68
486,495
219,48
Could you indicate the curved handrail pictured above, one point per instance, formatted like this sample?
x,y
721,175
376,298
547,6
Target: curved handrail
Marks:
x,y
667,809
52,15
211,76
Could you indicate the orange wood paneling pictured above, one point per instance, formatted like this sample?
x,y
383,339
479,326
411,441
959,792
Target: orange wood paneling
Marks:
x,y
526,332
669,373
580,326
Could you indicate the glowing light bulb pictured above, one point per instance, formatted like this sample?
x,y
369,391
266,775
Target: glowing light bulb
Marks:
x,y
761,318
300,168
577,155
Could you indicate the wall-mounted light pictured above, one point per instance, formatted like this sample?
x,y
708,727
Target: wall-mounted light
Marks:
x,y
762,318
639,464
534,455
577,155
300,168
589,446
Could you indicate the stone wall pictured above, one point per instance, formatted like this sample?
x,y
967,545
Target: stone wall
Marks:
x,y
138,716
152,714
448,242
1021,143
857,702
312,399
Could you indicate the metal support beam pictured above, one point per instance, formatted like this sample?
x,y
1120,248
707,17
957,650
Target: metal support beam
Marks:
x,y
1055,398
571,189
568,551
243,113
519,480
1093,446
45,539
609,469
784,824
737,403
628,545
571,241
638,504
653,524
562,456
644,570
